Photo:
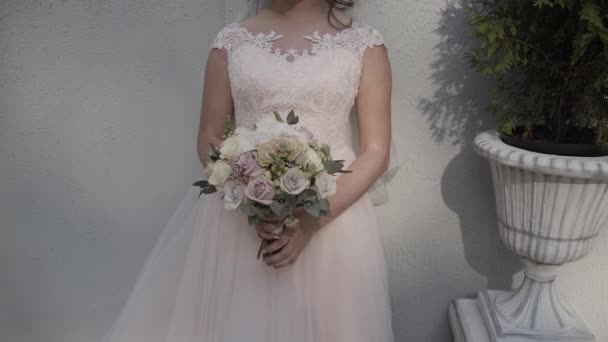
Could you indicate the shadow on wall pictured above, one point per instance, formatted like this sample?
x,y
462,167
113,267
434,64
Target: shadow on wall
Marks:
x,y
455,113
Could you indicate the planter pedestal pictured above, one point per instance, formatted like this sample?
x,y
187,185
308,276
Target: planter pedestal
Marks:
x,y
550,211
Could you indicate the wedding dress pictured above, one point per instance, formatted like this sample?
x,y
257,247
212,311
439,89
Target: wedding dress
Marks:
x,y
202,281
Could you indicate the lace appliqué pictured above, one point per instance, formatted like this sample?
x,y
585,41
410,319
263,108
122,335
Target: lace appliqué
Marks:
x,y
355,39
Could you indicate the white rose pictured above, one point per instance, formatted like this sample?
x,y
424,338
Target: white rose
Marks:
x,y
248,139
233,195
272,129
209,169
326,184
312,161
220,174
230,148
294,181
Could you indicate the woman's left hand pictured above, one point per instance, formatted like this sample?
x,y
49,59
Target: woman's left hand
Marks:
x,y
291,242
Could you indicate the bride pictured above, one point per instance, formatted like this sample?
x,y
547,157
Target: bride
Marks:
x,y
324,280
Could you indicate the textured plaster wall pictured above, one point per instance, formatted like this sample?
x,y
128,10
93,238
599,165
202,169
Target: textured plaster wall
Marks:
x,y
99,105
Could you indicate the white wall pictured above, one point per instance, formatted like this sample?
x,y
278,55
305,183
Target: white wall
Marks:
x,y
99,105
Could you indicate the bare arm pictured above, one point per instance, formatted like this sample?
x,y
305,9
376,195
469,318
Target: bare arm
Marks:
x,y
374,115
216,103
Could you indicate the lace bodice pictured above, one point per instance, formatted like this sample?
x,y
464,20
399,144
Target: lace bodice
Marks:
x,y
318,81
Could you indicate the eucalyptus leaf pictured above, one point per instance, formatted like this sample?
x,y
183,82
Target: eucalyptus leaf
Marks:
x,y
313,209
323,205
209,189
291,201
292,119
308,194
215,153
333,166
259,211
253,220
277,116
201,183
248,209
277,208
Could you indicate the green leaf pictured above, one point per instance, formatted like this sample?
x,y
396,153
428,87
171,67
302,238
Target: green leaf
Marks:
x,y
308,195
292,119
291,201
324,204
253,220
248,209
506,125
201,183
209,189
277,116
260,211
333,166
215,153
277,208
313,209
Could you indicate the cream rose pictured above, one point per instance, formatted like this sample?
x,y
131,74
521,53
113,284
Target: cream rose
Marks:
x,y
290,147
209,169
220,174
265,152
312,161
326,184
230,148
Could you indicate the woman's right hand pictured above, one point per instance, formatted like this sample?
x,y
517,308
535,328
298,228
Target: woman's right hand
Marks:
x,y
270,228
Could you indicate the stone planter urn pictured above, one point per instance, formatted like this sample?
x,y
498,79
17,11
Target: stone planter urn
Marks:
x,y
550,211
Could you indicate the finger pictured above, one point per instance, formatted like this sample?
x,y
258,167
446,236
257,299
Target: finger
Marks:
x,y
268,236
288,261
280,256
271,227
277,244
271,218
262,233
267,228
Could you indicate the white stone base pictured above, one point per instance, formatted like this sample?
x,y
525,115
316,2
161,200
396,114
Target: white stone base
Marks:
x,y
475,320
467,322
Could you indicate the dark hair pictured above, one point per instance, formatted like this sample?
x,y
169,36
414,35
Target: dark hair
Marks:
x,y
341,5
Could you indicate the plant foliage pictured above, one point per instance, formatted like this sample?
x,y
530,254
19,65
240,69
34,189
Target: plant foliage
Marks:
x,y
549,60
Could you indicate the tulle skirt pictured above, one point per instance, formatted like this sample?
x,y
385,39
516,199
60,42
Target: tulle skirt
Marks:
x,y
203,283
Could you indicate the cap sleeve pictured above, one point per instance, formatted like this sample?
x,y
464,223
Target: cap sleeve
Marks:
x,y
366,36
372,37
226,38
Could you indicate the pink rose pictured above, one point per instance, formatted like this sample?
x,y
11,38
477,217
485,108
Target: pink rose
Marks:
x,y
249,162
260,189
294,182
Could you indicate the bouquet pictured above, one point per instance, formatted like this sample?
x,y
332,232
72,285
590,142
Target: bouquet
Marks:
x,y
274,169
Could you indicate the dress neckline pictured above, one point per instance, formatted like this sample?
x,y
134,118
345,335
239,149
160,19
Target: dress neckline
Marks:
x,y
266,38
275,34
